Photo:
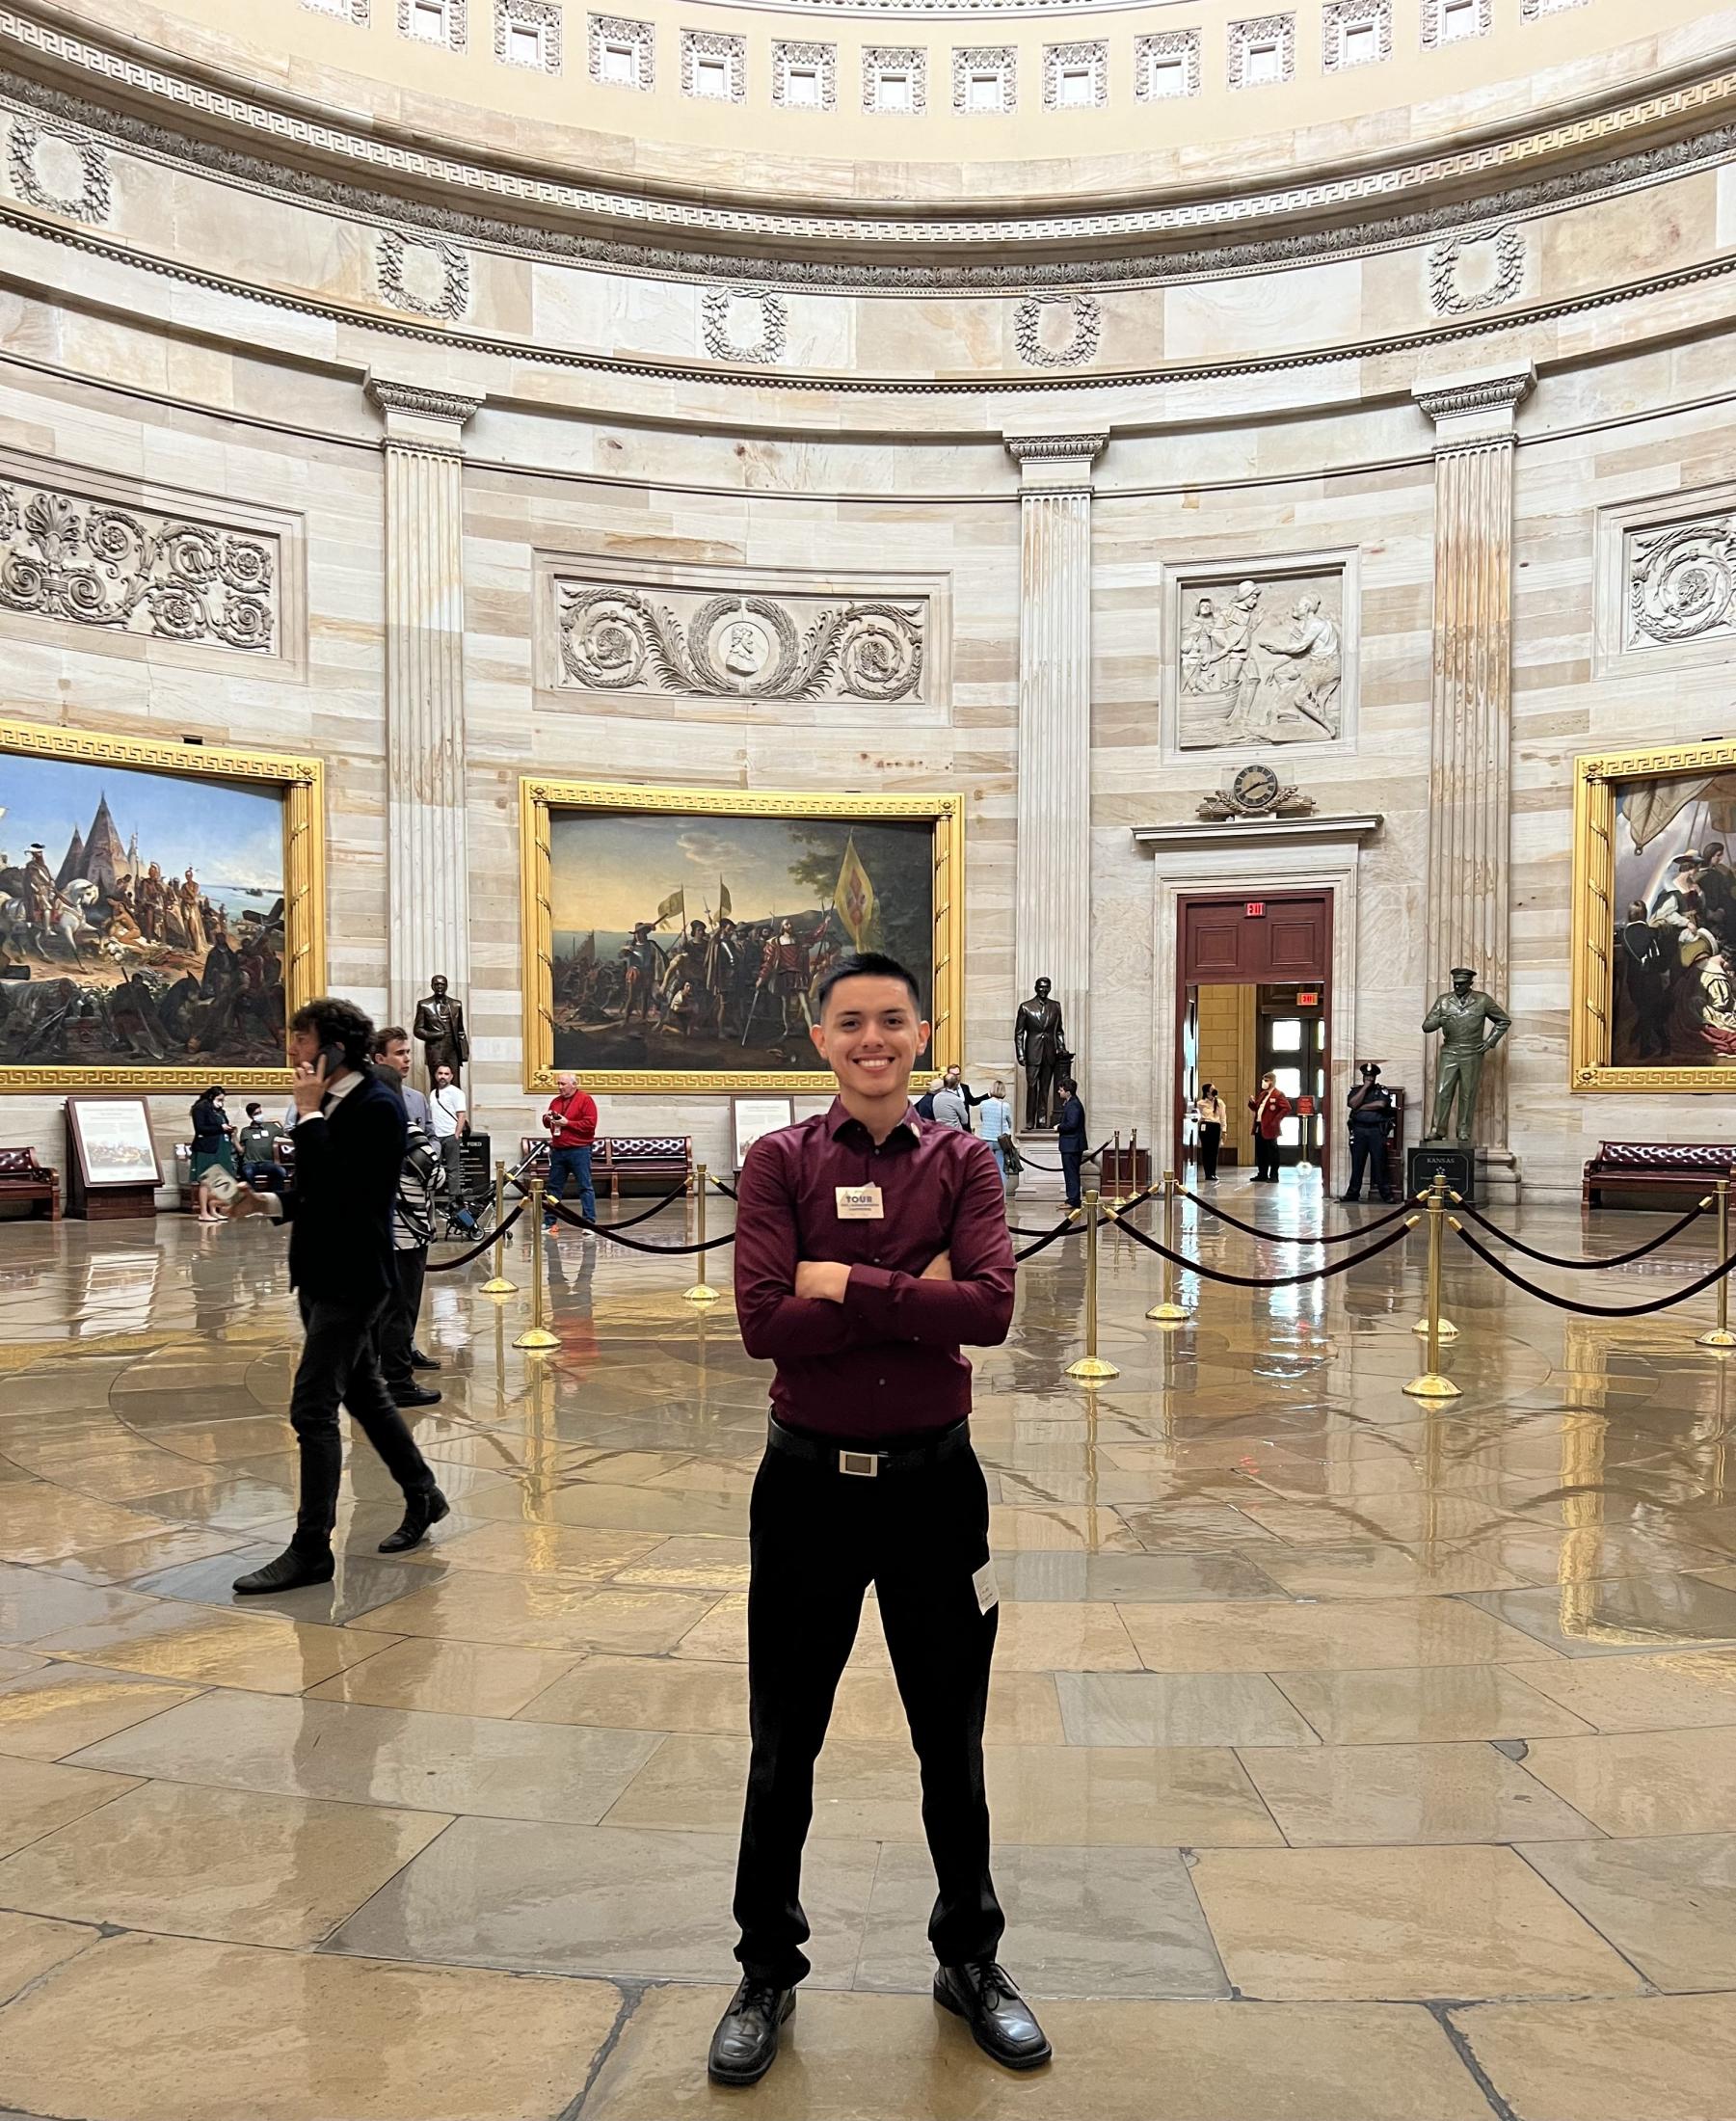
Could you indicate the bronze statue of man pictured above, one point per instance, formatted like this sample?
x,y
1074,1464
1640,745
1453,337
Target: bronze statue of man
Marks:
x,y
439,1027
1040,1048
1460,1017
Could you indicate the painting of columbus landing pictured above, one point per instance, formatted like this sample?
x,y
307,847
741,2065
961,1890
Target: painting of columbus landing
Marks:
x,y
686,945
144,932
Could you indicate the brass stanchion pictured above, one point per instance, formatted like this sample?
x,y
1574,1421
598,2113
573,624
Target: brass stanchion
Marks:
x,y
497,1284
702,1291
1445,1331
1166,1311
536,1334
1115,1199
1091,1368
1431,1384
1720,1336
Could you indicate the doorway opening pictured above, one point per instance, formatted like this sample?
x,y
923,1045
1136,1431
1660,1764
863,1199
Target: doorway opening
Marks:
x,y
1255,994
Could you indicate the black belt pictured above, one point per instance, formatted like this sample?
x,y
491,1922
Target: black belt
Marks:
x,y
867,1463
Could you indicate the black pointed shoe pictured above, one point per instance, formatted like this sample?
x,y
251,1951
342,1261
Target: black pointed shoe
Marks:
x,y
293,1568
419,1361
420,1511
414,1395
1002,2021
745,2044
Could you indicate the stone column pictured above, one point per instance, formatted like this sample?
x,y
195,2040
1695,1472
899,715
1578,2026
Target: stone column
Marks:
x,y
1470,732
428,871
1051,889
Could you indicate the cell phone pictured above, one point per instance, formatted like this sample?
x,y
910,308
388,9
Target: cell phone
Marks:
x,y
219,1185
332,1058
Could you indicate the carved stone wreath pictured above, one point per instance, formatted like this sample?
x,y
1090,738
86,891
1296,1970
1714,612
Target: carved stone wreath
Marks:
x,y
714,324
1682,581
1445,295
62,556
744,647
1028,331
92,198
454,296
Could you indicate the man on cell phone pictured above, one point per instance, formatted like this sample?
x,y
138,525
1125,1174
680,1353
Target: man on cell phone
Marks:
x,y
349,1152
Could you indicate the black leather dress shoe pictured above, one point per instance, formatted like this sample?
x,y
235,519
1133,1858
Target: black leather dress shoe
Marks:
x,y
1001,2020
419,1513
414,1395
294,1566
419,1361
745,2044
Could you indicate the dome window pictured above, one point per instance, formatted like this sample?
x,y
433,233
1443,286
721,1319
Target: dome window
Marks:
x,y
1167,65
1355,33
621,52
433,22
713,65
894,78
1075,76
804,78
983,79
528,33
1262,51
1452,21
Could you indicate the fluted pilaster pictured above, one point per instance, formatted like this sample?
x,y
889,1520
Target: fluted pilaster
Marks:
x,y
428,868
1470,736
1052,887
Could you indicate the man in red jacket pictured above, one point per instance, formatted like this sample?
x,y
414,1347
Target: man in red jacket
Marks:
x,y
1270,1109
870,1244
572,1123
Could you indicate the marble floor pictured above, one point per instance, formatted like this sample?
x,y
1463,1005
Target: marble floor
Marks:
x,y
1351,1758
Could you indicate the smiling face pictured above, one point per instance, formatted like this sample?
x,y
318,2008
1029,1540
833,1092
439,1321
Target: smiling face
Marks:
x,y
870,1037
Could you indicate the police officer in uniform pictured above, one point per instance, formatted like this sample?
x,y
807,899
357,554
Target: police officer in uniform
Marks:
x,y
1371,1117
870,1244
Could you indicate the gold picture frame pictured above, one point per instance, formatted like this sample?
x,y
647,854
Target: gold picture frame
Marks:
x,y
300,784
1598,948
539,798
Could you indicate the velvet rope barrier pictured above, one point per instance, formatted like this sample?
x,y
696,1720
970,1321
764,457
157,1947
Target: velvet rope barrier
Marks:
x,y
633,1243
1264,1281
477,1250
1592,1310
1089,1156
1278,1237
1065,1227
1551,1259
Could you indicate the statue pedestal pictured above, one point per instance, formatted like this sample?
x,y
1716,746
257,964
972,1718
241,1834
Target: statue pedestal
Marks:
x,y
1457,1165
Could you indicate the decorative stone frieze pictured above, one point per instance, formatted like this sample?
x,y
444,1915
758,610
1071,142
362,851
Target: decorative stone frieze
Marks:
x,y
1355,33
1065,64
1681,581
973,64
1260,657
528,33
1446,21
347,11
1262,51
717,317
92,563
714,65
813,68
623,52
415,18
1166,64
58,170
1038,342
1471,272
884,64
738,645
431,278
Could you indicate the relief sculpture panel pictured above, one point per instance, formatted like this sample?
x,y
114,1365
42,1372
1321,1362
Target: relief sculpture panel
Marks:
x,y
618,637
1681,581
1260,659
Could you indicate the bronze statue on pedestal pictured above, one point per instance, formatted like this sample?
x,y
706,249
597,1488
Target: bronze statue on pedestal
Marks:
x,y
1040,1048
439,1027
1459,1016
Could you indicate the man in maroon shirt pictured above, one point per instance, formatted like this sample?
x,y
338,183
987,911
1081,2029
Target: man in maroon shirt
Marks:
x,y
868,1245
572,1123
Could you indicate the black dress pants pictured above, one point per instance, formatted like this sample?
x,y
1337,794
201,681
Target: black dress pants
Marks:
x,y
1266,1157
817,1539
1210,1136
1071,1160
1368,1158
339,1363
397,1321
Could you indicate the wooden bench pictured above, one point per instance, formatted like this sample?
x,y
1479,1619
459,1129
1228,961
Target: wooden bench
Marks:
x,y
23,1178
626,1163
1666,1168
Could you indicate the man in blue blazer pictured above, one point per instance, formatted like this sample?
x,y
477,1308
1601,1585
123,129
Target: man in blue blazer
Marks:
x,y
349,1150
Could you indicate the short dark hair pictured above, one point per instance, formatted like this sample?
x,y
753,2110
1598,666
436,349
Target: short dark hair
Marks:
x,y
865,964
388,1036
254,1106
337,1023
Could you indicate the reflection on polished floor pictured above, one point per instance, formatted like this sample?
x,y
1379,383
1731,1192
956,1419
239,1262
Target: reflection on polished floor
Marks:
x,y
1350,1760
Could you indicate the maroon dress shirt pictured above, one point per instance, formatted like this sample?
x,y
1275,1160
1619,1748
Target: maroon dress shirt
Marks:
x,y
883,1366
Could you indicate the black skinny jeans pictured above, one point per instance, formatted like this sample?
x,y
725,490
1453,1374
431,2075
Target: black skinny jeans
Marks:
x,y
398,1318
340,1362
818,1538
1211,1138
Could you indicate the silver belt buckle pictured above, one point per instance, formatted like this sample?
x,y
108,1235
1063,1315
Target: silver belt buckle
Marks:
x,y
866,1465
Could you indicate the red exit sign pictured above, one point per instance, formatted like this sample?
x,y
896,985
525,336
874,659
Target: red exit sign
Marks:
x,y
1307,1001
1254,908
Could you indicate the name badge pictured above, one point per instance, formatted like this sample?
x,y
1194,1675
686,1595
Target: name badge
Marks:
x,y
858,1204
